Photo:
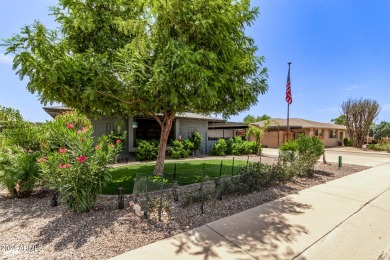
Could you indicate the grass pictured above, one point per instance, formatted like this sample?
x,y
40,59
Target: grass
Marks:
x,y
187,172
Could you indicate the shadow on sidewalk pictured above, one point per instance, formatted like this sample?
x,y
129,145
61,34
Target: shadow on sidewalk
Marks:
x,y
263,232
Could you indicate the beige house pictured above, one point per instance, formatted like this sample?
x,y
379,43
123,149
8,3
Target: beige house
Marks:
x,y
276,134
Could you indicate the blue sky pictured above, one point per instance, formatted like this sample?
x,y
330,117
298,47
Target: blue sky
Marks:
x,y
338,50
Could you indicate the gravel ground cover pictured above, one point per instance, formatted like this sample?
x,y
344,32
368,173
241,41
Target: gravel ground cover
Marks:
x,y
31,229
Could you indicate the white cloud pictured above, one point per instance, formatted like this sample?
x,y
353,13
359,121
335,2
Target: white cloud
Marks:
x,y
6,59
353,87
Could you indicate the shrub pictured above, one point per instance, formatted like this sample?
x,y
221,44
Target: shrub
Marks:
x,y
146,150
289,145
229,146
18,170
300,155
180,149
253,177
20,145
240,147
78,169
236,146
196,139
219,149
379,147
347,142
188,145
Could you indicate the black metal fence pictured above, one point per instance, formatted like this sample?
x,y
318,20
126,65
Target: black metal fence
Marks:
x,y
161,198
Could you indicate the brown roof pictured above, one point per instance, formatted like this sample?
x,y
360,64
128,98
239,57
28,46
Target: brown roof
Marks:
x,y
55,110
300,123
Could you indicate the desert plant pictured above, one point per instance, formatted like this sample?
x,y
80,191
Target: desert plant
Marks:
x,y
300,155
253,177
78,169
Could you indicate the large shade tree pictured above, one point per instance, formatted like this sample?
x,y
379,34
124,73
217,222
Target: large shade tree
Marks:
x,y
153,58
359,116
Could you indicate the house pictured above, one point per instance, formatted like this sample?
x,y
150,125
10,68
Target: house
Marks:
x,y
276,134
144,128
225,130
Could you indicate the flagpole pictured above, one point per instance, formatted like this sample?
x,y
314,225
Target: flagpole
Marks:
x,y
288,106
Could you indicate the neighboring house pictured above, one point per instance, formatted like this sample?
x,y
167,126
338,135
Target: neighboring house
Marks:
x,y
276,134
138,128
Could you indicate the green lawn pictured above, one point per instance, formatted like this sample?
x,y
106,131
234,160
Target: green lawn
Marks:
x,y
187,172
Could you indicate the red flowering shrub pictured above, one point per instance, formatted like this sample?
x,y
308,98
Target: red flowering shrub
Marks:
x,y
78,169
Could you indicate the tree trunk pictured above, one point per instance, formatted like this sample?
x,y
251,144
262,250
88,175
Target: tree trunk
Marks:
x,y
324,159
166,126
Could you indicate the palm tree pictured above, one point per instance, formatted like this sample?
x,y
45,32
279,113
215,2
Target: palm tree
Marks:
x,y
258,132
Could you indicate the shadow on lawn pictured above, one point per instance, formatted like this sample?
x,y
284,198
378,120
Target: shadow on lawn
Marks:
x,y
263,234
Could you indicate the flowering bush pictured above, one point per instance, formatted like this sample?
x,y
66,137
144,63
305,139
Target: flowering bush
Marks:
x,y
75,164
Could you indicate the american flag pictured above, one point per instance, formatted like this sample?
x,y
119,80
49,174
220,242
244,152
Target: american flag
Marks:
x,y
288,87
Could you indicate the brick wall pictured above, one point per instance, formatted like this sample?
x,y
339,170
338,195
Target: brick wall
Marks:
x,y
270,139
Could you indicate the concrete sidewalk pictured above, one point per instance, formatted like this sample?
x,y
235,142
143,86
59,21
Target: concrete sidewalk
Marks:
x,y
347,218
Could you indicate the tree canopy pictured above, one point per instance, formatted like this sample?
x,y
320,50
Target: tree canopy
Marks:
x,y
339,120
251,119
382,130
144,57
359,116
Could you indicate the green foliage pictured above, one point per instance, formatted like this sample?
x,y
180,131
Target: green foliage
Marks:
x,y
309,146
289,145
347,142
240,147
78,168
379,147
229,146
254,177
20,145
146,150
252,119
113,136
191,58
300,155
219,149
196,139
339,120
17,132
258,132
382,130
18,170
180,149
234,146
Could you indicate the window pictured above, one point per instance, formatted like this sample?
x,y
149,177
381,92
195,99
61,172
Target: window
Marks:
x,y
318,132
149,129
111,128
332,133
